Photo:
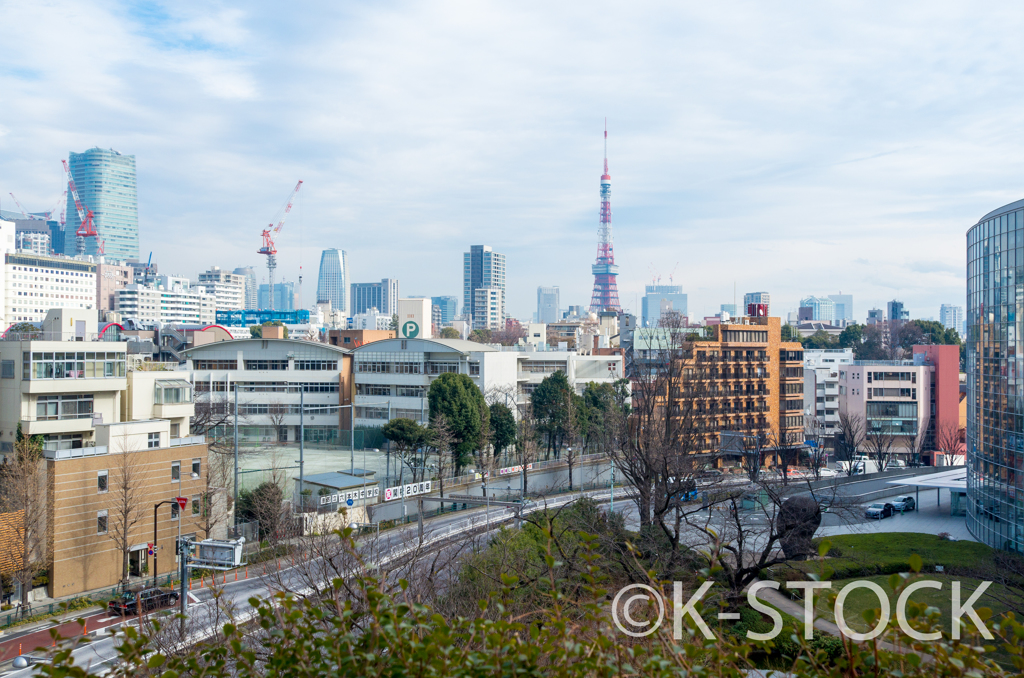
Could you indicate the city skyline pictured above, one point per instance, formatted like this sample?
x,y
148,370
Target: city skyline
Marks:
x,y
891,184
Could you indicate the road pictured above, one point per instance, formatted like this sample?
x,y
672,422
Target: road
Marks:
x,y
99,654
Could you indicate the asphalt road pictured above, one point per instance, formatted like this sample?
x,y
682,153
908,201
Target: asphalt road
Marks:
x,y
101,653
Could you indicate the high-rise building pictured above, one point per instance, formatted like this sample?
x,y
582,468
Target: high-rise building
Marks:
x,y
332,283
110,279
843,308
659,300
728,308
606,290
382,296
757,298
994,399
251,288
489,308
106,184
167,300
33,285
284,296
952,317
449,307
481,267
822,308
894,309
227,289
547,305
875,316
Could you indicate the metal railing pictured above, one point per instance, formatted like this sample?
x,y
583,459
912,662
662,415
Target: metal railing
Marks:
x,y
76,452
41,335
191,440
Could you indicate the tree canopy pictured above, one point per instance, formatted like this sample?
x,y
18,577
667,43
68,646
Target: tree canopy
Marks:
x,y
449,333
461,402
503,427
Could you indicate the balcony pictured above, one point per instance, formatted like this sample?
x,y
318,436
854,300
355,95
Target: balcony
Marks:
x,y
173,410
54,424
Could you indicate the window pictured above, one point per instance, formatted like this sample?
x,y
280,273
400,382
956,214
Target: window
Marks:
x,y
101,482
266,364
7,369
57,407
175,430
175,470
101,522
411,391
215,364
175,511
195,505
153,441
317,365
197,466
474,369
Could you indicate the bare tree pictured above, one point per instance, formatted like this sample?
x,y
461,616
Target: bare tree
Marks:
x,y
819,442
126,496
572,428
23,520
277,413
848,439
881,443
215,502
527,438
915,445
442,441
949,438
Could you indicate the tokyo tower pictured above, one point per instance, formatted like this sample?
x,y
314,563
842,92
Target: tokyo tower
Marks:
x,y
606,291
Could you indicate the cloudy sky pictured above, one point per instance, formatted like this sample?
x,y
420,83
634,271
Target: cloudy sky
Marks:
x,y
807,149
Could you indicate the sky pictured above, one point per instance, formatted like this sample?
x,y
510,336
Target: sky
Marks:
x,y
801,149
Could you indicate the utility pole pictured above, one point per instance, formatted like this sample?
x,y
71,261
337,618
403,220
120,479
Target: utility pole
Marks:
x,y
611,505
302,448
235,505
156,572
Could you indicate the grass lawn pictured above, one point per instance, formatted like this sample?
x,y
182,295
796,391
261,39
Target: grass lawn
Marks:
x,y
884,553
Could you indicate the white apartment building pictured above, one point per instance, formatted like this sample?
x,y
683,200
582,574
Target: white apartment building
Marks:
x,y
174,303
228,289
32,285
580,370
488,308
821,386
372,319
33,242
273,376
952,316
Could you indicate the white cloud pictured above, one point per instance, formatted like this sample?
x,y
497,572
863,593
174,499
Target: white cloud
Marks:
x,y
770,147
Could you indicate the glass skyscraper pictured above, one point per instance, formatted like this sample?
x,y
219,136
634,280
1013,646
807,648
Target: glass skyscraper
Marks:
x,y
331,284
482,267
106,184
995,378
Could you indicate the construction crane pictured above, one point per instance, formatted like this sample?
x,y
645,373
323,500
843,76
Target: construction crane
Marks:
x,y
23,212
268,241
62,205
85,226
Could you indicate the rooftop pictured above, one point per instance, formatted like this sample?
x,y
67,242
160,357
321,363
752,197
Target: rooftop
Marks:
x,y
337,480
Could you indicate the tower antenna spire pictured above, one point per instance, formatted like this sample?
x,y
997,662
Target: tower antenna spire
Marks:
x,y
606,145
606,291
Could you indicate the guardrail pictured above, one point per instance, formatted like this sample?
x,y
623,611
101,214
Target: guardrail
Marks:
x,y
191,440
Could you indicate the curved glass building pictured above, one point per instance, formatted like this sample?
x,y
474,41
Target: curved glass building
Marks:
x,y
995,378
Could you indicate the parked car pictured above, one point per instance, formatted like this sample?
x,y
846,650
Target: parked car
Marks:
x,y
904,504
151,599
879,510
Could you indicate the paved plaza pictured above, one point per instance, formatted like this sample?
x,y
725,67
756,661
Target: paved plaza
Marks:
x,y
932,517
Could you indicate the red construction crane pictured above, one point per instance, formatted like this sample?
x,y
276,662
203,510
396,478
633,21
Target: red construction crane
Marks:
x,y
85,227
23,212
269,248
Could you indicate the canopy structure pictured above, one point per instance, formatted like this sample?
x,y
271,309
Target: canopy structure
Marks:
x,y
954,480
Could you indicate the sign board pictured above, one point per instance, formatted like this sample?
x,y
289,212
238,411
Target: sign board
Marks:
x,y
181,502
410,490
348,497
509,470
217,553
414,321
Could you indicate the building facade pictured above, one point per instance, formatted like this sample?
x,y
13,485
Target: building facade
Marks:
x,y
332,281
488,308
822,309
757,298
548,310
273,376
33,242
843,308
33,285
106,184
251,288
659,300
995,379
482,267
174,303
895,311
952,317
284,296
821,389
449,308
111,279
227,289
382,296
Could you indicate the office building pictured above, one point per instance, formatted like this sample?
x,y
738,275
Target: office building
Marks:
x,y
168,300
757,298
110,279
895,311
382,296
547,305
822,309
284,296
227,289
875,316
33,242
481,267
488,308
251,288
995,434
372,319
449,308
106,184
332,282
32,285
659,300
843,308
952,317
728,308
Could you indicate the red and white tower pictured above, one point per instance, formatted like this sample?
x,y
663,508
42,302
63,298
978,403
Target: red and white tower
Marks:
x,y
606,291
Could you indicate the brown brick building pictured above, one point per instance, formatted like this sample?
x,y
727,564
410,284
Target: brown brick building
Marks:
x,y
743,378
